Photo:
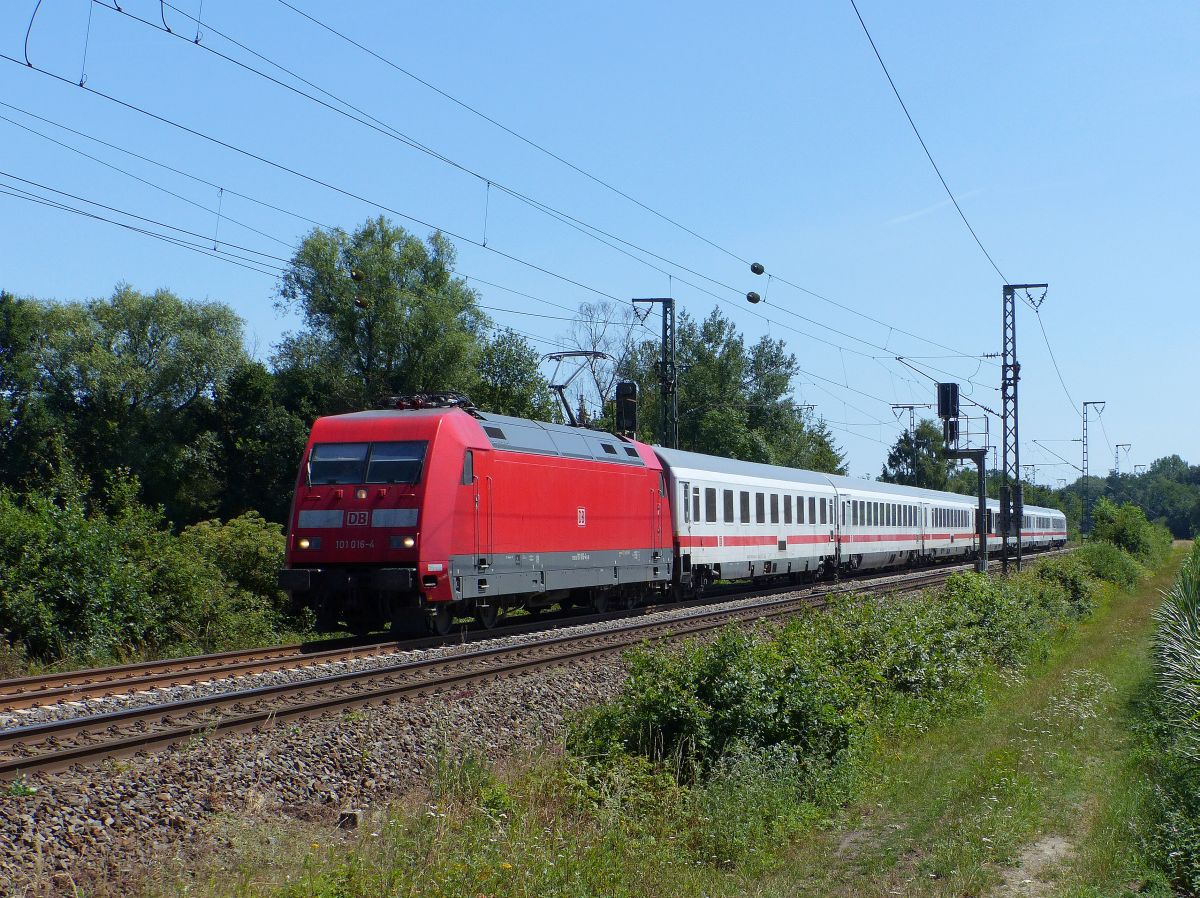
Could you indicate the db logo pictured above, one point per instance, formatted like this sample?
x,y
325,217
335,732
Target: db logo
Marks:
x,y
358,518
581,516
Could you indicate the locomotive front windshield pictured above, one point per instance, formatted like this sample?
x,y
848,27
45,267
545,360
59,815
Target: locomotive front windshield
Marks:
x,y
346,463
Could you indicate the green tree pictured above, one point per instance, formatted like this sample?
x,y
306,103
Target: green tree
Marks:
x,y
734,401
125,382
26,427
383,314
509,379
260,442
919,459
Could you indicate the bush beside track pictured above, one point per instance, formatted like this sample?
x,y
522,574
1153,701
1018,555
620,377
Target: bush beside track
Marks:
x,y
85,582
820,686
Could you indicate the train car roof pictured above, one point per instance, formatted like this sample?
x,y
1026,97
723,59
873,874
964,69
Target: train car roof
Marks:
x,y
680,458
543,438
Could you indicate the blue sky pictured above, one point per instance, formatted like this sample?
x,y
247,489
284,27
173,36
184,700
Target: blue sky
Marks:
x,y
1069,132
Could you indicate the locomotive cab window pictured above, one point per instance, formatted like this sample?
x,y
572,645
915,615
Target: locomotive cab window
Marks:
x,y
396,462
343,463
337,462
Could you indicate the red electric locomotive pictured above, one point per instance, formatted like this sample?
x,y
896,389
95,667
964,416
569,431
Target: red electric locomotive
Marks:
x,y
420,514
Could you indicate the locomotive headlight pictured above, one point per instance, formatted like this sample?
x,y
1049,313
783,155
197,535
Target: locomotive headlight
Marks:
x,y
360,493
403,542
308,542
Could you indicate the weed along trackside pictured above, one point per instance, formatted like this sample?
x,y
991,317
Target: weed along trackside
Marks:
x,y
980,739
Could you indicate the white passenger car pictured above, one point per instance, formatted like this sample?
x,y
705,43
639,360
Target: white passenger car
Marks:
x,y
738,520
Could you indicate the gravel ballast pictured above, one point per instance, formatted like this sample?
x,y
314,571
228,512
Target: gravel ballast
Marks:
x,y
106,825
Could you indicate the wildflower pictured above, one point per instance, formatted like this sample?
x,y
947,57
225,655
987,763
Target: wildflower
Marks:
x,y
506,866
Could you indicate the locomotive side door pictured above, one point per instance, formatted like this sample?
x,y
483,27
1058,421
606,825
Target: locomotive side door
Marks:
x,y
481,511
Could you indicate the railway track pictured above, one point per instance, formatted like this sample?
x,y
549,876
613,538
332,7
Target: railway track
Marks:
x,y
106,682
59,744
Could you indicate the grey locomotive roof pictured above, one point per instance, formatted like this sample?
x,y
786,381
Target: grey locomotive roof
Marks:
x,y
542,438
717,465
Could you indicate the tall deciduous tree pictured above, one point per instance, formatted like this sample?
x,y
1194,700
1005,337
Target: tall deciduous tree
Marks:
x,y
919,460
510,381
734,401
125,382
384,310
25,425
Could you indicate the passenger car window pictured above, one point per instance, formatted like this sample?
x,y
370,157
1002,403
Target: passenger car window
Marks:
x,y
728,506
774,508
760,508
744,503
710,505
